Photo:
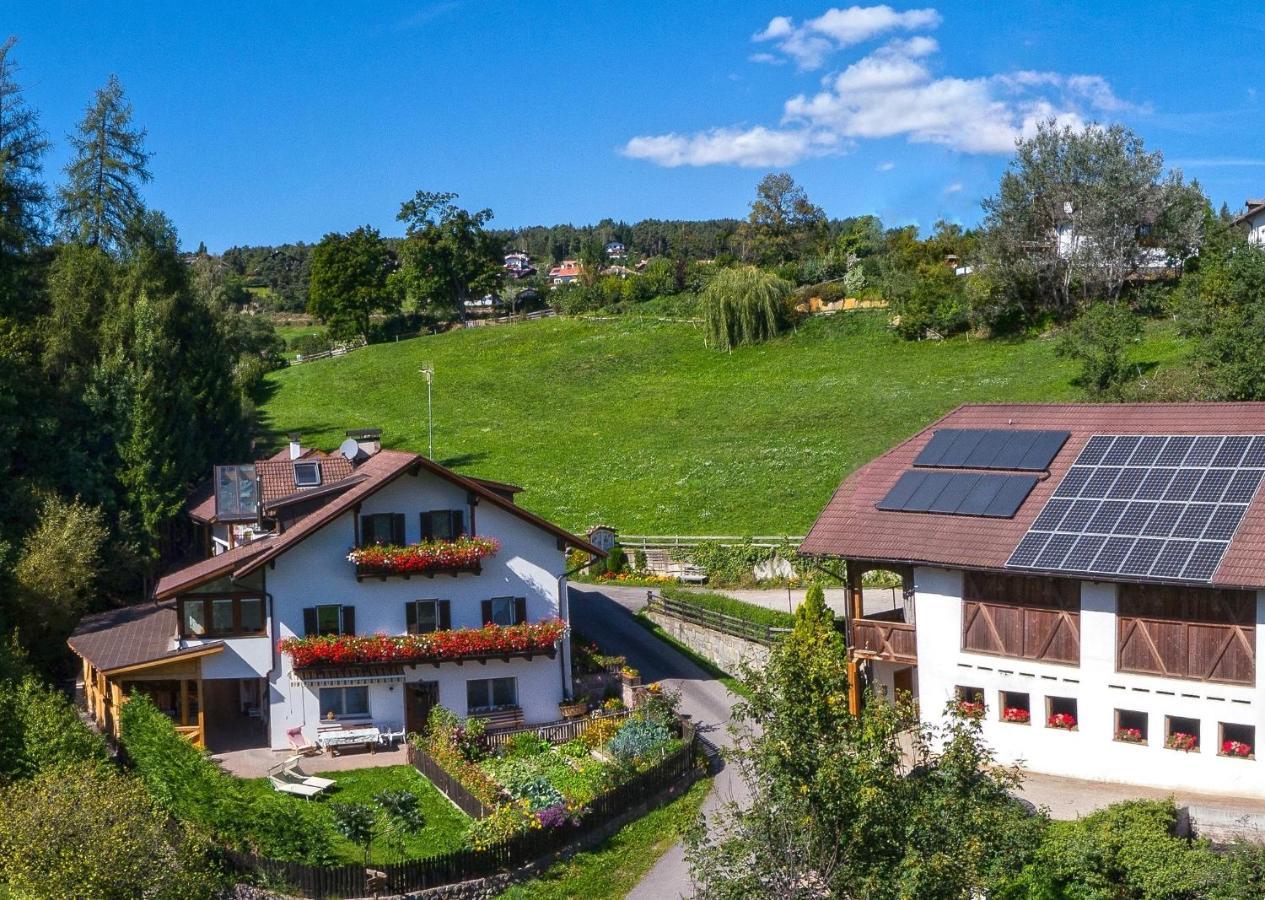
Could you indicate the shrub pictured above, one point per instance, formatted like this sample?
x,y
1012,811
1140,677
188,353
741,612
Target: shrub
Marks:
x,y
598,733
187,784
615,560
639,560
638,738
309,344
45,731
524,745
660,704
745,305
505,822
95,833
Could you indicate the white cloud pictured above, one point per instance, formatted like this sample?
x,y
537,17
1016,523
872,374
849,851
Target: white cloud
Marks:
x,y
891,92
954,188
812,42
885,166
753,147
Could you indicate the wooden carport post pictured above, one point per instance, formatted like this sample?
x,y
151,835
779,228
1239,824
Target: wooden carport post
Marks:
x,y
855,610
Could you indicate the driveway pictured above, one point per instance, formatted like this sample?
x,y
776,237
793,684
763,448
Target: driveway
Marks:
x,y
605,614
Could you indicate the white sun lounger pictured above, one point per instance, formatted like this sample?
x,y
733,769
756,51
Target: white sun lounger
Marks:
x,y
288,787
290,768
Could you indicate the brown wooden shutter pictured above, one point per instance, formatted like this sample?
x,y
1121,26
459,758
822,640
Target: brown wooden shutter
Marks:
x,y
397,528
458,523
309,621
349,620
410,617
445,614
428,533
367,533
487,611
520,610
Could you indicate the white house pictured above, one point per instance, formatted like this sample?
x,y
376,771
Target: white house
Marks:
x,y
262,643
1095,567
1254,218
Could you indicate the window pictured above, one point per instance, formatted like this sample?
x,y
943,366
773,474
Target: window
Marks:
x,y
1197,633
970,701
382,528
1238,741
1131,726
1022,617
345,702
505,611
235,492
329,620
221,616
491,693
307,474
442,524
1016,707
1181,733
422,616
1060,712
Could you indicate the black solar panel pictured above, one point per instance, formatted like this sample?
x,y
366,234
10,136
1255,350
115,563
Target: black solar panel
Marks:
x,y
991,448
1148,506
958,493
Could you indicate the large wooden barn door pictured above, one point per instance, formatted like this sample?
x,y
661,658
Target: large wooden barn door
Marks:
x,y
1179,632
1023,617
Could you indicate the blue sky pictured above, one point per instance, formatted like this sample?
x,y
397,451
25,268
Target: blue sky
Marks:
x,y
276,122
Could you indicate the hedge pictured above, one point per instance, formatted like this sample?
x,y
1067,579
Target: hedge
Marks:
x,y
188,784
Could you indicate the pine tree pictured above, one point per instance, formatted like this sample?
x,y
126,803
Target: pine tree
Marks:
x,y
23,197
102,196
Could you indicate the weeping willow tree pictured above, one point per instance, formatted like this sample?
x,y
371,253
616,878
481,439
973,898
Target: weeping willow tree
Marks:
x,y
744,305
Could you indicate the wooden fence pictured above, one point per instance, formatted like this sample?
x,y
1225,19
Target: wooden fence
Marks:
x,y
726,624
451,788
632,542
674,772
555,732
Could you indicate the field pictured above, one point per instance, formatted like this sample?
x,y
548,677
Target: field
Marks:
x,y
635,423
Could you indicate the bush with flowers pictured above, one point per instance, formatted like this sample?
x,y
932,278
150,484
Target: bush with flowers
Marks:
x,y
1130,735
970,709
1236,748
428,556
1180,740
454,643
1016,714
505,822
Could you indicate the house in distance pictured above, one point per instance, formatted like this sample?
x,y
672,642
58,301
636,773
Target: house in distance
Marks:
x,y
353,590
1086,579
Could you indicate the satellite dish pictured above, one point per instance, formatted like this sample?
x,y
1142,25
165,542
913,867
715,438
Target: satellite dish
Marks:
x,y
350,449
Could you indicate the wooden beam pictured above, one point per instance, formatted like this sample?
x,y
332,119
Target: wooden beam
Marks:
x,y
854,688
201,741
184,701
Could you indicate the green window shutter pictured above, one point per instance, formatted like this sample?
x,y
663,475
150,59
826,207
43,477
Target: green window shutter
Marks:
x,y
487,612
458,523
349,620
445,614
309,621
520,610
397,528
410,617
428,533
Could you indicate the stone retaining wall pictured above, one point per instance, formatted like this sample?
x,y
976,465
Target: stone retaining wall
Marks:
x,y
722,650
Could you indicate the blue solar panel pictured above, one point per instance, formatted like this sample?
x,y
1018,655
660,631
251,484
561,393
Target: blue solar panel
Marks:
x,y
991,448
1162,507
958,493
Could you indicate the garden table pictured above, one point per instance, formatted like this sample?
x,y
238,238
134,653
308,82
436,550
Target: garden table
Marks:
x,y
335,740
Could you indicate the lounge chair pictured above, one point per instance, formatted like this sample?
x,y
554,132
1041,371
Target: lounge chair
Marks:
x,y
287,787
392,734
291,771
300,745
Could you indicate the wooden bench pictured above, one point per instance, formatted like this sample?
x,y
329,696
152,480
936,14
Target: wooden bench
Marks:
x,y
503,719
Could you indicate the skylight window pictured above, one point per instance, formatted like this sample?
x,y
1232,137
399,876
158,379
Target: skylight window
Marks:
x,y
307,474
235,494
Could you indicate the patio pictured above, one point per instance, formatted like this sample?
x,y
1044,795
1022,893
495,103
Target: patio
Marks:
x,y
255,762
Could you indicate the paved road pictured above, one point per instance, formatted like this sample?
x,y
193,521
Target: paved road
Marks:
x,y
605,614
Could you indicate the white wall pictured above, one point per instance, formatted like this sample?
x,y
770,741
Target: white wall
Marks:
x,y
317,572
1090,752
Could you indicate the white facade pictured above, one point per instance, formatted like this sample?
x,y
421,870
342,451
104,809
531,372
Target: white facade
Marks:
x,y
1256,228
1091,751
316,572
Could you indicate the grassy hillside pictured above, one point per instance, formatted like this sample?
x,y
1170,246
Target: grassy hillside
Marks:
x,y
635,423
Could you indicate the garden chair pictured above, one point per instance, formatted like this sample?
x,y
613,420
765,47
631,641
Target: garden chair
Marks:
x,y
291,772
299,744
392,734
306,791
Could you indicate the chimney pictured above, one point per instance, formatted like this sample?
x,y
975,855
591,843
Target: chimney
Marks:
x,y
296,449
369,440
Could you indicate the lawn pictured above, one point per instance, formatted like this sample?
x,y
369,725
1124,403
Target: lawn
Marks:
x,y
445,825
732,606
613,867
635,423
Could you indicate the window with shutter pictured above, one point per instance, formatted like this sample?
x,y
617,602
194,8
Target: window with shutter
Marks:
x,y
349,620
423,616
520,610
501,611
443,524
380,528
445,615
310,626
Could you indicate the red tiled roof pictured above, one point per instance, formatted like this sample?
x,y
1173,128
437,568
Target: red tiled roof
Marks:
x,y
851,526
203,571
132,635
276,476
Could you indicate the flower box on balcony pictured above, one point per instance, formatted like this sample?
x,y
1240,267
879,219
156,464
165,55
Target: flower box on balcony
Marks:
x,y
435,647
429,558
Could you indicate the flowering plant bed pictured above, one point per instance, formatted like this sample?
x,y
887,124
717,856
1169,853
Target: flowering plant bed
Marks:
x,y
425,558
1065,721
1130,736
434,646
1179,740
1016,715
1236,748
971,709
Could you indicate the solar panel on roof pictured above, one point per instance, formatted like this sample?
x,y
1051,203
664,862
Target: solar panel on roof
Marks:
x,y
958,493
1159,507
1020,450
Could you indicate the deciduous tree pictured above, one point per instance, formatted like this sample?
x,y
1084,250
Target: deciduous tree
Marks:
x,y
744,305
783,223
349,281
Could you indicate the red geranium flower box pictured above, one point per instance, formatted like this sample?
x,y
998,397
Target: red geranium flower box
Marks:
x,y
1236,748
435,646
1064,721
426,558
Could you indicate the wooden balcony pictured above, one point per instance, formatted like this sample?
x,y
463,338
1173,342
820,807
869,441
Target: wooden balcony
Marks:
x,y
366,572
885,636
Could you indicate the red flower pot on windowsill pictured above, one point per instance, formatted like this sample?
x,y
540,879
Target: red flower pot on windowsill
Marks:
x,y
425,558
435,646
1062,721
1238,749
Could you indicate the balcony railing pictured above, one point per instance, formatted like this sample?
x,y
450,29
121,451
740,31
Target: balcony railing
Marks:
x,y
886,639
